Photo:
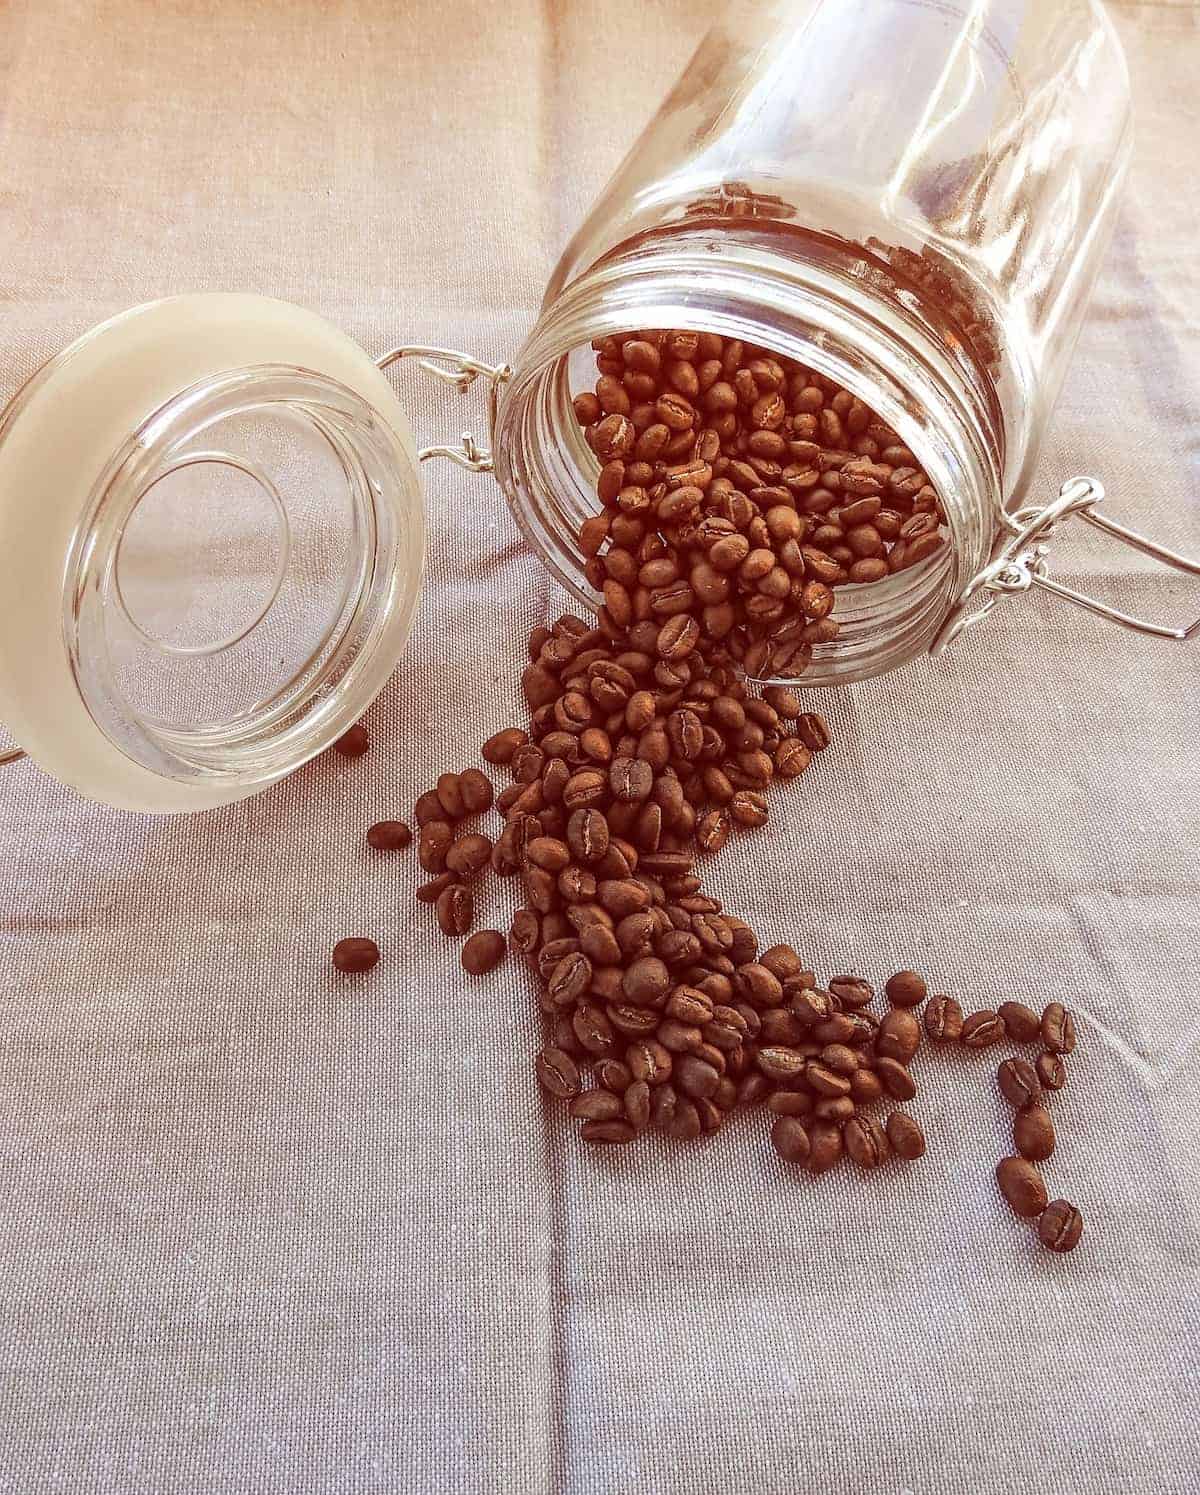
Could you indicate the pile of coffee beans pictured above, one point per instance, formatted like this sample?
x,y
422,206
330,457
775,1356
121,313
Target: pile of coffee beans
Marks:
x,y
737,492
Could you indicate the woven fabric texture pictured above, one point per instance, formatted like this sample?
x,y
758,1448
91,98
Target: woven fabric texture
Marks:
x,y
266,1230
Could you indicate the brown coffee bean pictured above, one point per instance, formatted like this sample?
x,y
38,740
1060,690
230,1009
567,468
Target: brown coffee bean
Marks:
x,y
712,831
1021,1023
813,732
981,1029
1060,1226
570,979
468,856
788,1102
526,931
483,952
637,1105
1051,1071
596,1105
500,748
1058,1029
455,909
865,1087
476,792
1033,1133
1019,1084
613,1075
852,992
354,956
906,989
548,853
646,981
792,758
696,1078
782,1064
449,793
899,1036
748,808
588,836
428,807
649,1060
434,841
790,1140
825,1146
944,1020
630,779
906,1137
593,1030
430,892
353,743
558,1073
896,1079
389,835
1022,1187
865,1141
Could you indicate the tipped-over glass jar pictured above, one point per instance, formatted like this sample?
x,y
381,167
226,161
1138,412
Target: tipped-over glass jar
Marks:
x,y
210,522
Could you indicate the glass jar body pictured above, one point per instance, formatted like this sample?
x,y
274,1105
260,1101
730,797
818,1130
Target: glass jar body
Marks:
x,y
926,235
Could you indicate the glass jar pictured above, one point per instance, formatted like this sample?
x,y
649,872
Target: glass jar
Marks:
x,y
911,199
211,531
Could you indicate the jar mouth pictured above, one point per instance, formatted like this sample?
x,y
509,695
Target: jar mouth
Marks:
x,y
242,580
806,299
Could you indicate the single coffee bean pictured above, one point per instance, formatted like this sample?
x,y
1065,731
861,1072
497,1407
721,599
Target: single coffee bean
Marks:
x,y
899,1036
813,731
428,807
1058,1029
865,1087
500,748
944,1020
906,989
824,1081
596,1105
637,1105
835,1108
825,1146
475,789
593,1030
353,956
587,836
430,892
483,952
1019,1084
783,1065
981,1029
468,856
788,1102
525,931
695,1078
906,1137
1022,1186
353,743
1033,1133
435,839
896,1079
1051,1071
865,1141
790,1140
649,1060
1060,1226
455,910
450,794
558,1073
852,992
1021,1023
570,979
613,1075
389,835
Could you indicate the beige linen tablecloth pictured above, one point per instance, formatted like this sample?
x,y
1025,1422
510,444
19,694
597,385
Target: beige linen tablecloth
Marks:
x,y
264,1230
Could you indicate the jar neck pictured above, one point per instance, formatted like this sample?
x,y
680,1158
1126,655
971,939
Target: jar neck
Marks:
x,y
820,302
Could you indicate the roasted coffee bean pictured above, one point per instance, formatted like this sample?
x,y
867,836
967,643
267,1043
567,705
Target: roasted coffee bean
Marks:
x,y
824,1081
1021,1023
813,732
1022,1187
649,1060
593,1029
790,1140
449,793
1019,1084
558,1073
906,989
865,1087
899,1036
475,789
944,1020
526,931
896,1079
483,952
637,1105
354,956
631,779
1060,1226
865,1141
788,1102
1058,1029
981,1029
430,892
852,992
781,1064
588,836
825,1146
906,1137
434,841
613,1075
428,807
696,1078
468,856
1051,1071
597,1105
455,910
389,835
1033,1133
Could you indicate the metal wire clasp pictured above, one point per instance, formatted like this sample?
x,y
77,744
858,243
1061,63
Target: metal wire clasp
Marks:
x,y
462,373
1019,563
